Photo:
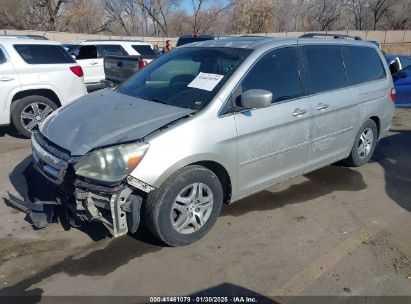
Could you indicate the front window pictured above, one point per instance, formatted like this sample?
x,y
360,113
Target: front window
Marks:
x,y
186,77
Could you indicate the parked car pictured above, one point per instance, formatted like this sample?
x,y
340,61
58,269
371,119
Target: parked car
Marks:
x,y
186,39
397,62
214,122
402,83
36,77
35,37
119,68
90,55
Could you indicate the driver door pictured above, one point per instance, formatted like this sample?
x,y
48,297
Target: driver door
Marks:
x,y
273,141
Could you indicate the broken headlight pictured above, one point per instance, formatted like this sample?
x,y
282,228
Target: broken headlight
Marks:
x,y
111,164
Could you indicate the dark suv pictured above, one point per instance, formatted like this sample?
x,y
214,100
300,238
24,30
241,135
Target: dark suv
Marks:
x,y
186,39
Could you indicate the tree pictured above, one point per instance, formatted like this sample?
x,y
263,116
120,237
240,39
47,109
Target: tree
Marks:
x,y
398,16
324,13
204,19
359,10
379,9
86,16
253,16
158,11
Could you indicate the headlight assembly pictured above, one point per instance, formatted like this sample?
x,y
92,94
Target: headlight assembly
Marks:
x,y
112,164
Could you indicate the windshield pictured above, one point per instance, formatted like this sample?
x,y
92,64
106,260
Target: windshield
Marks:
x,y
406,71
175,78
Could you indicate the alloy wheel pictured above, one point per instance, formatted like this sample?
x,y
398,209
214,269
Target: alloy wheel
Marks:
x,y
34,114
366,142
192,208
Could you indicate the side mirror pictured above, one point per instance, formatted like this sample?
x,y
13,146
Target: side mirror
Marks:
x,y
255,99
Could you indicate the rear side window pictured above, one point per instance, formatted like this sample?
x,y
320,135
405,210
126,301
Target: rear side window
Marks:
x,y
144,50
43,54
325,68
277,72
367,64
85,52
3,57
110,50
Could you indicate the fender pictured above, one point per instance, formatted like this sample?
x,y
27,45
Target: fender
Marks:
x,y
28,88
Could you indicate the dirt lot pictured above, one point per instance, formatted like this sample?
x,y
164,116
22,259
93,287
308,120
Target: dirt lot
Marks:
x,y
336,231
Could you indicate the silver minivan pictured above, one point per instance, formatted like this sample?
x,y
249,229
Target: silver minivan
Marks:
x,y
211,123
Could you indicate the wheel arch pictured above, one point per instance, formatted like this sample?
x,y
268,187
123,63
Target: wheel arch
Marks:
x,y
377,121
222,175
48,93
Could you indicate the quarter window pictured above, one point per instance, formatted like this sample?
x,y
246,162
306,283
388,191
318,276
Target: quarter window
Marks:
x,y
325,68
110,50
276,72
367,64
85,52
3,57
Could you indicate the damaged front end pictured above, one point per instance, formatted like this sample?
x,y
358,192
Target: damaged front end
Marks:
x,y
115,203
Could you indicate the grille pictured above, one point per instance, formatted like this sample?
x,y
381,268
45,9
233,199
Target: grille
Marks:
x,y
49,165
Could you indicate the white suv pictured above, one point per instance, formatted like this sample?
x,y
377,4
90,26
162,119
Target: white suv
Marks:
x,y
36,77
90,55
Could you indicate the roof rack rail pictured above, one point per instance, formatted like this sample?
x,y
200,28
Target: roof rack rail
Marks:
x,y
335,36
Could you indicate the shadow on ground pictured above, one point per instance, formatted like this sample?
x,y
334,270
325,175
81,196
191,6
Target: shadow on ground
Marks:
x,y
393,153
10,131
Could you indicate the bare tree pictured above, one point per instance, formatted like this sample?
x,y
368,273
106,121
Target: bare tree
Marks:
x,y
379,9
359,10
324,13
204,19
398,16
119,11
253,16
86,16
158,11
12,15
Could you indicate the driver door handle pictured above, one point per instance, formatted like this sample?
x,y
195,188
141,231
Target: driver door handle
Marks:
x,y
322,106
93,63
6,78
298,112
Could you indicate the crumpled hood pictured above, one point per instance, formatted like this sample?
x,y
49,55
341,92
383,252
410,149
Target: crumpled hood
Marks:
x,y
106,118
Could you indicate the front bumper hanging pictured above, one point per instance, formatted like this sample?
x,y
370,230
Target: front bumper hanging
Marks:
x,y
119,212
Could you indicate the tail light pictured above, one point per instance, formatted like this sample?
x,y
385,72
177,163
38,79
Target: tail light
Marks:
x,y
393,94
142,64
77,70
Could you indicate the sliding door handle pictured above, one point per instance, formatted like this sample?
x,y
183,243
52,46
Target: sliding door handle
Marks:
x,y
298,112
322,106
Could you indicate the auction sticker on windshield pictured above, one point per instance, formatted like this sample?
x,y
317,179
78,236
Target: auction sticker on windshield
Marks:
x,y
205,81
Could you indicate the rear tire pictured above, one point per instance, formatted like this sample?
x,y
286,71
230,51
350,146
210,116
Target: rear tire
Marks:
x,y
185,207
29,112
364,145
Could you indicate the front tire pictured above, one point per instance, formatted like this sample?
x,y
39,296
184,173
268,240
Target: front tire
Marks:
x,y
185,207
29,112
364,144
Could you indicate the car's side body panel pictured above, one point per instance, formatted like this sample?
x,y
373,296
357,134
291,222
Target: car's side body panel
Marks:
x,y
269,146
